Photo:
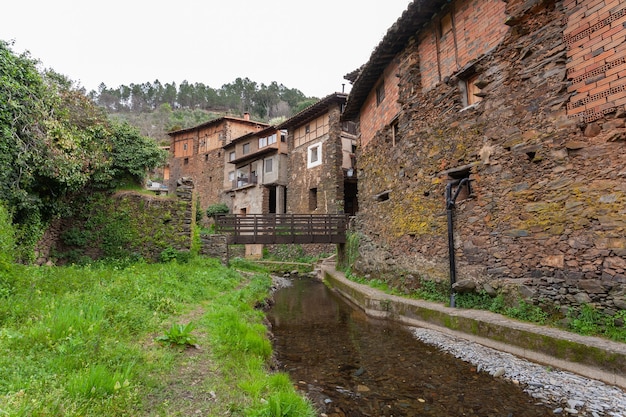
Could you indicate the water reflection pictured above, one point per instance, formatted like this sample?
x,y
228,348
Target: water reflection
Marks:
x,y
352,365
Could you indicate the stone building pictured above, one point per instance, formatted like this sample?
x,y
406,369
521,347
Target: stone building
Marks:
x,y
518,106
255,175
321,175
197,153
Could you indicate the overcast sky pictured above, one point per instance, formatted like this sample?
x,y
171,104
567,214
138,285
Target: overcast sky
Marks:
x,y
308,45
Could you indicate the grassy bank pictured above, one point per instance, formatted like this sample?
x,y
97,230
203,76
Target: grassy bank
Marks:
x,y
99,341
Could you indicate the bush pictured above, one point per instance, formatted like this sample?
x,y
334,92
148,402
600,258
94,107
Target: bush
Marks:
x,y
171,254
214,209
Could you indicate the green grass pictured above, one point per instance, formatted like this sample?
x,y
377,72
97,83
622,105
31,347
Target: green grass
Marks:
x,y
81,341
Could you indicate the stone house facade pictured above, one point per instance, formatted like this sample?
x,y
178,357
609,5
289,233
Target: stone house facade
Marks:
x,y
197,152
321,174
518,105
255,175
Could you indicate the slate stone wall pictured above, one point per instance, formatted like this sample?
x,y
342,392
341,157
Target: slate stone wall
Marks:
x,y
545,215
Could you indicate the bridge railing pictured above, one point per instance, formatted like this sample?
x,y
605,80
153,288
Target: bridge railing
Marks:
x,y
282,228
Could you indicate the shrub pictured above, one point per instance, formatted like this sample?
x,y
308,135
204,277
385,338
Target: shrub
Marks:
x,y
179,334
214,209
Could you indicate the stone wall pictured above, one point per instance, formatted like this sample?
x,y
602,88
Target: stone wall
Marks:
x,y
326,179
142,225
214,246
546,210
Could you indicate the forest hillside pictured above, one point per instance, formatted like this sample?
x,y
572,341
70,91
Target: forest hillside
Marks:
x,y
156,108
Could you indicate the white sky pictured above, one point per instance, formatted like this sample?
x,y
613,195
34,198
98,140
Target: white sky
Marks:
x,y
308,45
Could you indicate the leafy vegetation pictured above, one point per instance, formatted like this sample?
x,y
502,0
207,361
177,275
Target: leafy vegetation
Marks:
x,y
179,334
55,144
591,321
78,341
215,209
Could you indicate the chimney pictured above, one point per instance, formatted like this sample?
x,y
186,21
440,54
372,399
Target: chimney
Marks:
x,y
246,116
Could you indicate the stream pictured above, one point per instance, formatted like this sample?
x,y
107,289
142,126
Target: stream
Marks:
x,y
351,365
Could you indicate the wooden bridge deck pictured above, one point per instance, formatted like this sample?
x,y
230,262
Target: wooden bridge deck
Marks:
x,y
282,228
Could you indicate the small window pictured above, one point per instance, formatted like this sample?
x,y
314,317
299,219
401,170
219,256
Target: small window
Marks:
x,y
445,25
384,196
283,135
268,165
380,93
231,156
307,129
314,155
271,139
184,146
472,91
460,176
186,161
312,199
394,132
231,176
206,157
262,142
246,148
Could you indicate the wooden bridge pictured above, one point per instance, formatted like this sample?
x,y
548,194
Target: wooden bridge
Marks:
x,y
282,228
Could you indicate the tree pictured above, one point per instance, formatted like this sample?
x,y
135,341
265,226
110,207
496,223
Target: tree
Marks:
x,y
131,154
55,142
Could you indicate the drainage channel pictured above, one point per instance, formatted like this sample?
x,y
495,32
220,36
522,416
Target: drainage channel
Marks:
x,y
351,365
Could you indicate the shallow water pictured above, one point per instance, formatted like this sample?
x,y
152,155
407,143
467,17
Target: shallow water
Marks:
x,y
352,365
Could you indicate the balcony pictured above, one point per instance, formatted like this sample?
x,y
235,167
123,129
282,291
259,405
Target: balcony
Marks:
x,y
245,181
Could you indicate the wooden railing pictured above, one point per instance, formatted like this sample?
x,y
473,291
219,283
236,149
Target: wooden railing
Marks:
x,y
282,228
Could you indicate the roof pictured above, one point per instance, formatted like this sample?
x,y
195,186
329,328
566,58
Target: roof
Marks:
x,y
413,19
313,110
215,122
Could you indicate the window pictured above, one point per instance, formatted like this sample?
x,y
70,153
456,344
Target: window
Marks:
x,y
314,155
206,157
394,132
460,176
283,135
312,199
263,142
380,93
231,156
445,25
384,196
268,165
307,129
184,146
186,161
246,148
472,92
231,176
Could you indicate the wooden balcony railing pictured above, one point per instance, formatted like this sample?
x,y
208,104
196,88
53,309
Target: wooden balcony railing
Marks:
x,y
282,228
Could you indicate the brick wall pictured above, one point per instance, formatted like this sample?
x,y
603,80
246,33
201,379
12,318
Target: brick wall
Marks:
x,y
378,115
595,36
203,158
476,27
